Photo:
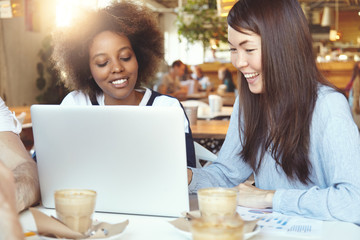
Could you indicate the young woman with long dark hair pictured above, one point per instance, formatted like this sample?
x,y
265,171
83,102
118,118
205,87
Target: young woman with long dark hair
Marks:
x,y
290,127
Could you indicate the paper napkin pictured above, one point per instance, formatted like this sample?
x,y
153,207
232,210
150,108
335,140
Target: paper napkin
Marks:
x,y
52,227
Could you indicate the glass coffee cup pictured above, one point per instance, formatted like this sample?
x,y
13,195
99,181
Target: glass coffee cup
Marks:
x,y
75,207
217,201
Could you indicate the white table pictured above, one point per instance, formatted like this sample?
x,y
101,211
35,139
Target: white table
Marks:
x,y
146,227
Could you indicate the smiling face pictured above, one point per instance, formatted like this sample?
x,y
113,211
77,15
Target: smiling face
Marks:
x,y
245,51
114,68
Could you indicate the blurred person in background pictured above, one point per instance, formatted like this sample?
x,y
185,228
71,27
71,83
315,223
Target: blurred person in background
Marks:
x,y
188,82
171,82
226,78
204,83
187,73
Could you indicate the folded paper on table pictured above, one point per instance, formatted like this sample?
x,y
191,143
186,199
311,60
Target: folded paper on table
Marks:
x,y
50,226
277,223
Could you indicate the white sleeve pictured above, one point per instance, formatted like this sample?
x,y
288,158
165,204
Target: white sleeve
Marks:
x,y
76,98
166,101
8,121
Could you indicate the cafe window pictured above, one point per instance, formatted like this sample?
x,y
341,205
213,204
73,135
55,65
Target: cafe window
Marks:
x,y
67,9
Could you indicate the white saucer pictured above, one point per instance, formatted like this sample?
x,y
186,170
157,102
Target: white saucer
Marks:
x,y
107,238
246,235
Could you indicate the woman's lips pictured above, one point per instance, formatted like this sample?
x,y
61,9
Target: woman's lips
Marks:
x,y
119,83
251,77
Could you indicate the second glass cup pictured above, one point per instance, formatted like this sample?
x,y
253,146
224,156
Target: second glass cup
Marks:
x,y
218,228
217,201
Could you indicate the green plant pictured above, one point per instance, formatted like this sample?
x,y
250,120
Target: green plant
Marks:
x,y
198,21
53,91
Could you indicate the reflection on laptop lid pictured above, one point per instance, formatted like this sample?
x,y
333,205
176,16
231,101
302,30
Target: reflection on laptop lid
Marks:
x,y
133,157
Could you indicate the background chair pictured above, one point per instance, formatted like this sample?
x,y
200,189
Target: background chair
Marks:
x,y
202,153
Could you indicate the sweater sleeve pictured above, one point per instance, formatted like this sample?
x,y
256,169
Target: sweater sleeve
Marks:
x,y
337,153
229,169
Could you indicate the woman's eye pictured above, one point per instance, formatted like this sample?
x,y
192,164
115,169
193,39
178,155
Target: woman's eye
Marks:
x,y
250,50
125,58
101,64
232,49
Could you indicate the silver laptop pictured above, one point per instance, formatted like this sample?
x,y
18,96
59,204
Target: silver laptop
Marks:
x,y
133,157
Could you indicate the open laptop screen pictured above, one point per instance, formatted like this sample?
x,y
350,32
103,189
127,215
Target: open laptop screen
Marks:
x,y
133,157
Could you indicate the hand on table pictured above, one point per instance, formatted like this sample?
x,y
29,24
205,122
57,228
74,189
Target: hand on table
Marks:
x,y
250,196
189,174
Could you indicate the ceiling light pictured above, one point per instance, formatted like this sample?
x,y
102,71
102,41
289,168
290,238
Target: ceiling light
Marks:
x,y
343,57
224,7
327,17
333,35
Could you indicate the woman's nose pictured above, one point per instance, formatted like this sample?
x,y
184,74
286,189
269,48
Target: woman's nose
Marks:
x,y
241,61
117,67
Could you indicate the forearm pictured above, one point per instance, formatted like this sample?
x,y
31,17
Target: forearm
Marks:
x,y
183,89
10,227
217,175
27,185
9,224
334,203
200,178
253,197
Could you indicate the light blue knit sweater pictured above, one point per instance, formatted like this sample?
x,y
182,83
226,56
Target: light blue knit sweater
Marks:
x,y
334,155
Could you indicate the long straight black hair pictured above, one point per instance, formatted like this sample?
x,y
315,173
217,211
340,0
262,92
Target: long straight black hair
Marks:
x,y
278,120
